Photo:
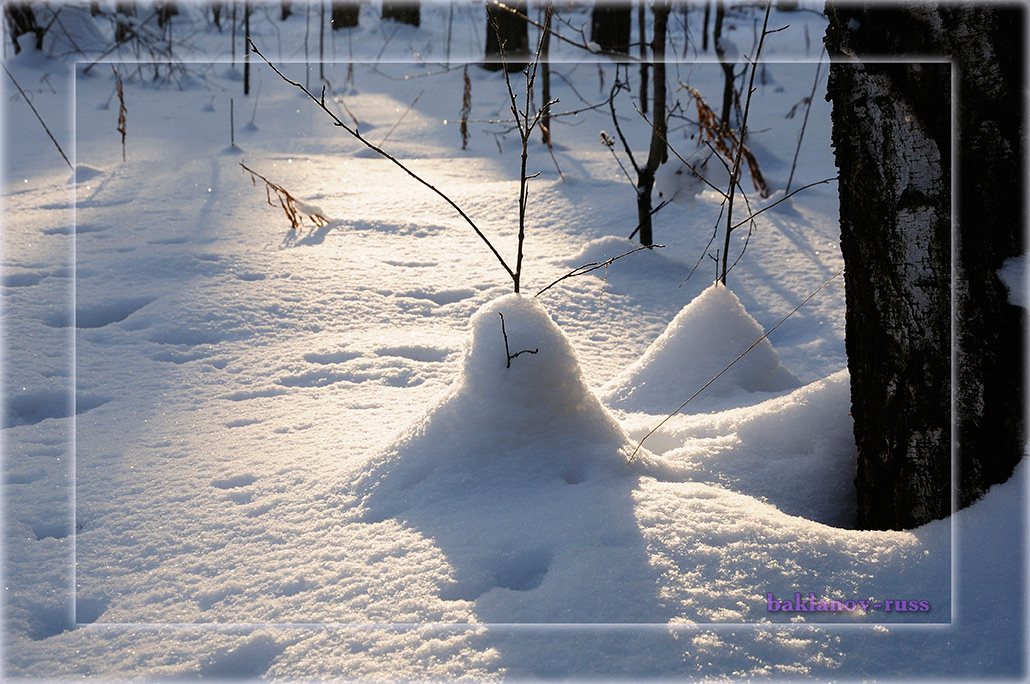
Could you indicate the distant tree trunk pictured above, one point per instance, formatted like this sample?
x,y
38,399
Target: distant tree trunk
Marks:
x,y
892,136
165,11
344,14
122,28
246,52
657,153
545,73
507,29
704,29
727,66
21,20
610,24
404,11
642,29
216,14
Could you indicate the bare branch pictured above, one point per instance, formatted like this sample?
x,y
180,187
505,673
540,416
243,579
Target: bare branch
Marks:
x,y
507,351
677,154
735,172
593,266
387,155
43,123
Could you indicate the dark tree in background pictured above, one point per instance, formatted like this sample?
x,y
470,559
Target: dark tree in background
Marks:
x,y
507,29
404,11
893,139
21,20
658,150
609,25
344,14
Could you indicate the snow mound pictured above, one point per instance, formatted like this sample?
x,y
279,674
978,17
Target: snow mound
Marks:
x,y
703,338
85,172
505,422
520,477
680,183
796,451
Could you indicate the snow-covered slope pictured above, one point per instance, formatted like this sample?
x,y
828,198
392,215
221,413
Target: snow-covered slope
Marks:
x,y
236,449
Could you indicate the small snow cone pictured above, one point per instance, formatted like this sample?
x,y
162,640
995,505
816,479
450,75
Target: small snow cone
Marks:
x,y
510,417
704,337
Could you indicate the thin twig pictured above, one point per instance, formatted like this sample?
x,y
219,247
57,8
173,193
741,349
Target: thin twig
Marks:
x,y
618,129
122,110
387,155
401,118
757,342
804,124
593,266
507,351
784,198
525,125
743,134
43,123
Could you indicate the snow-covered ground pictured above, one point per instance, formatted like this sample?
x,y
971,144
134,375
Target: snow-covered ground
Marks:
x,y
235,449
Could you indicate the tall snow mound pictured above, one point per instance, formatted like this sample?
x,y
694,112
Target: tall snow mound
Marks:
x,y
703,338
501,428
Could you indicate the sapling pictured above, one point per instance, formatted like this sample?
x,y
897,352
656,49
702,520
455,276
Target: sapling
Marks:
x,y
735,171
525,124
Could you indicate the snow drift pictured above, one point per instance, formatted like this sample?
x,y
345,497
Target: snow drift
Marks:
x,y
703,338
521,477
533,419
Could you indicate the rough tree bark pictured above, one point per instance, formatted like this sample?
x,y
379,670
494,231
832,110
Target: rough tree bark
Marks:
x,y
906,276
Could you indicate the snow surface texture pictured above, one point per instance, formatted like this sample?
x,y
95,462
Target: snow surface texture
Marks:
x,y
232,449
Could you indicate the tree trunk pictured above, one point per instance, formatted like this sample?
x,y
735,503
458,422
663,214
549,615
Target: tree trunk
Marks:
x,y
727,67
657,153
21,20
892,136
609,25
246,55
642,28
344,14
404,11
510,31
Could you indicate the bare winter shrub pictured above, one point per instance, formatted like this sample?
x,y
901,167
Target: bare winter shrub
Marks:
x,y
295,209
725,140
